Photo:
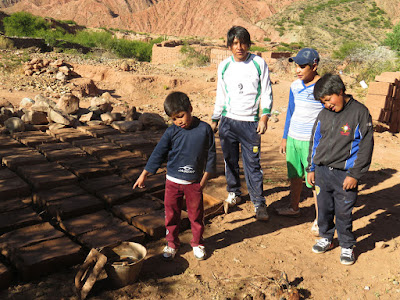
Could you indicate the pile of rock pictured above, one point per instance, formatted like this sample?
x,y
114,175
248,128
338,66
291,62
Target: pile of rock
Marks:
x,y
43,112
61,70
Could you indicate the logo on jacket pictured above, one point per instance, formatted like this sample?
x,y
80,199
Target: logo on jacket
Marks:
x,y
345,130
240,86
187,170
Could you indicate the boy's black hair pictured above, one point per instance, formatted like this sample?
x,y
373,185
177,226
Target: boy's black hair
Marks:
x,y
240,33
176,102
327,85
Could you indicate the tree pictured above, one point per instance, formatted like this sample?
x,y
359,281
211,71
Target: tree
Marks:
x,y
23,24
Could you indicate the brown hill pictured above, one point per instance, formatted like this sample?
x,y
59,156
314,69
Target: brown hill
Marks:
x,y
171,17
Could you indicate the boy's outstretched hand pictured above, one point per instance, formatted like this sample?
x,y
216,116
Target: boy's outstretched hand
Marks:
x,y
349,183
311,178
282,147
262,125
140,181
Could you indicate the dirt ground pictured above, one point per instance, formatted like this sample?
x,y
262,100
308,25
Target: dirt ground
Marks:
x,y
248,259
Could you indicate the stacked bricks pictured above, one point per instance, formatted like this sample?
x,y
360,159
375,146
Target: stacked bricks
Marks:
x,y
383,100
166,55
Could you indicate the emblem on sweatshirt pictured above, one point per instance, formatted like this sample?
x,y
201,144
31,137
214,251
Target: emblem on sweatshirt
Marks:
x,y
255,149
240,86
345,130
187,170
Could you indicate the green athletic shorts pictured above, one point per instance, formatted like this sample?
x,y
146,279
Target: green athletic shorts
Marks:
x,y
296,158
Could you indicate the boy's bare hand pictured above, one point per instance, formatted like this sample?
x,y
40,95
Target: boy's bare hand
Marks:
x,y
311,178
214,126
349,183
282,147
140,181
262,125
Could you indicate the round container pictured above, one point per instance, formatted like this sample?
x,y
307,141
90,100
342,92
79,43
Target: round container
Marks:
x,y
124,263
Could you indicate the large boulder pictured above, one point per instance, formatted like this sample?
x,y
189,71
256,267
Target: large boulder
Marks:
x,y
83,87
26,103
58,116
152,120
102,104
35,118
68,103
42,103
127,126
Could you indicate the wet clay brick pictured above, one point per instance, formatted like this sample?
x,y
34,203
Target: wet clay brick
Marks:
x,y
98,131
50,147
89,222
117,155
118,194
153,224
14,204
7,142
88,167
95,184
123,136
51,179
47,257
73,206
40,198
101,148
32,141
69,135
5,277
140,206
18,218
134,162
64,154
212,206
14,151
111,235
13,187
7,173
14,161
27,236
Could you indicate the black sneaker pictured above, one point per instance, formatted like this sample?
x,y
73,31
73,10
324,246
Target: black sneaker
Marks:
x,y
347,256
322,246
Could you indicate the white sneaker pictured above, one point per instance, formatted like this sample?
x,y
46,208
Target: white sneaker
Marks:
x,y
199,252
315,228
231,200
169,253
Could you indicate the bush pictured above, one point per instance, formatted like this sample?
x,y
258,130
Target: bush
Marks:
x,y
193,57
346,49
5,43
393,38
24,24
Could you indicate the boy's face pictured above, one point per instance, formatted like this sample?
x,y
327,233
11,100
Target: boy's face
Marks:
x,y
182,119
334,102
306,73
239,50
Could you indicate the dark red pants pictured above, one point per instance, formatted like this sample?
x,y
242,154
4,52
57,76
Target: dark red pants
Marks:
x,y
173,202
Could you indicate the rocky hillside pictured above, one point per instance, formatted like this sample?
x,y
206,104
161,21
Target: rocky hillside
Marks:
x,y
319,23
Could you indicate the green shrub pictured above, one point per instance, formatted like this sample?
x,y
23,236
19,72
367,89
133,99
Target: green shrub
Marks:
x,y
24,24
5,43
346,49
393,38
267,39
193,57
257,49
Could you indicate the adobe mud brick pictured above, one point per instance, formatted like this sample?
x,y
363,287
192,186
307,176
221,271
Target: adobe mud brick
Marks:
x,y
143,205
98,131
127,163
5,277
124,136
132,175
153,223
14,204
381,88
111,235
51,179
132,144
7,173
96,184
14,151
391,77
51,147
32,141
46,257
88,167
42,197
7,142
18,218
87,142
13,187
14,161
68,135
27,236
375,103
101,148
117,155
212,206
118,194
64,154
85,223
73,206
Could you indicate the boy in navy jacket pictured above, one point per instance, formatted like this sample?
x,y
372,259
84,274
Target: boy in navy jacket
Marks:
x,y
340,154
189,147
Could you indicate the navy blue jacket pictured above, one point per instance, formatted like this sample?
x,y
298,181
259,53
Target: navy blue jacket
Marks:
x,y
188,152
343,140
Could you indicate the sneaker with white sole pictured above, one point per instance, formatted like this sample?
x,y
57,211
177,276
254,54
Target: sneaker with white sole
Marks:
x,y
288,212
231,200
315,228
261,213
322,246
169,253
347,256
199,252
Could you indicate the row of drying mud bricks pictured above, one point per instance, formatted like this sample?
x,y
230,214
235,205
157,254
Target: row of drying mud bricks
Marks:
x,y
66,191
383,100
